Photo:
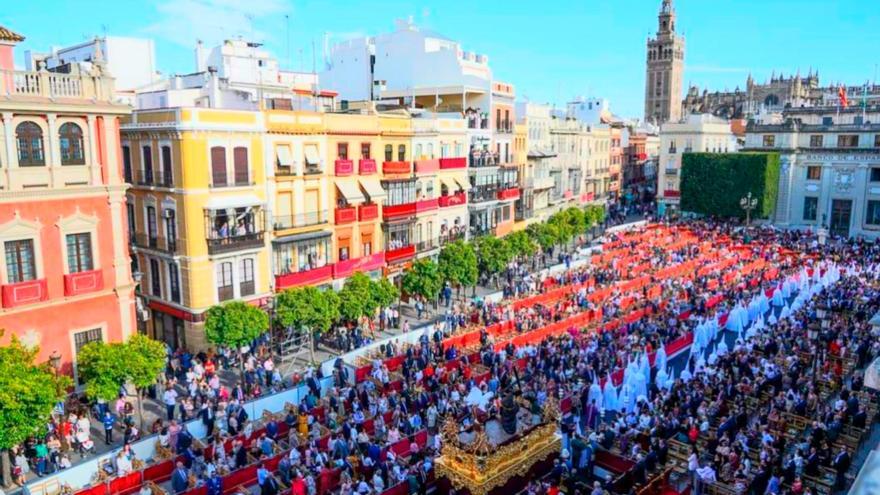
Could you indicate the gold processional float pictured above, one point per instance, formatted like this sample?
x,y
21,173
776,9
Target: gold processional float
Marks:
x,y
481,466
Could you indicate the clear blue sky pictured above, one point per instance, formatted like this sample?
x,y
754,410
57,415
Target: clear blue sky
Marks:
x,y
551,50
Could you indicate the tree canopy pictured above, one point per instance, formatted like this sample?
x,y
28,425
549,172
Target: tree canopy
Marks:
x,y
28,393
493,254
383,293
457,264
355,299
104,369
307,307
521,245
235,324
423,279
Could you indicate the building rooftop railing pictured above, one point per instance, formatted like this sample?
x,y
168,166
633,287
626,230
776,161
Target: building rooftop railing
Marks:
x,y
76,85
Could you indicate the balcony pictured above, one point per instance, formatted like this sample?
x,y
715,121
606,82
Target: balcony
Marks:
x,y
238,182
369,263
587,197
455,234
483,194
427,245
452,200
427,166
504,127
398,211
475,122
306,277
344,168
508,194
486,160
367,212
345,215
400,254
671,171
282,222
22,293
366,166
568,194
396,168
145,241
427,205
83,282
453,163
671,193
56,85
232,243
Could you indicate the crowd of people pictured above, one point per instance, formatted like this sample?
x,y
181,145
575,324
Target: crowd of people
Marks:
x,y
729,403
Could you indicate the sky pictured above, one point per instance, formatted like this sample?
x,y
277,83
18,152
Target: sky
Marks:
x,y
551,50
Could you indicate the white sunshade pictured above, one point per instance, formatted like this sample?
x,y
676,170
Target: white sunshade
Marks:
x,y
284,158
350,191
312,154
219,202
465,185
373,188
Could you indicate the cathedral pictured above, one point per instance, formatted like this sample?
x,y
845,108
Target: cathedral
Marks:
x,y
779,93
664,69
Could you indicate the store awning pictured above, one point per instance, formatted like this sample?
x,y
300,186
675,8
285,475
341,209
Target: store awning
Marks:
x,y
222,202
350,191
301,237
450,184
465,185
373,188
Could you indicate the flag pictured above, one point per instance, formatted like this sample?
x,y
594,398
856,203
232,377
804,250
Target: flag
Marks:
x,y
841,94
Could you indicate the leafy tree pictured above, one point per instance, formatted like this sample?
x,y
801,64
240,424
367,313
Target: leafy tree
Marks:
x,y
577,219
235,324
145,362
564,230
423,279
355,299
307,307
457,264
493,255
521,245
383,293
28,392
595,215
545,234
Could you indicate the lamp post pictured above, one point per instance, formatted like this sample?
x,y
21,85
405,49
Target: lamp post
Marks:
x,y
55,361
748,203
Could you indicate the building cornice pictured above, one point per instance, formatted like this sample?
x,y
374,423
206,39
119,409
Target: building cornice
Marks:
x,y
64,193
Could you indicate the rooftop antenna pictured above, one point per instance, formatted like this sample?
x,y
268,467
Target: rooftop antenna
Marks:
x,y
287,30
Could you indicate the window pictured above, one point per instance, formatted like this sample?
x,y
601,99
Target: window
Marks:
x,y
875,174
400,192
174,282
816,141
769,141
418,152
152,231
81,339
246,277
827,121
847,141
365,151
401,153
342,151
814,172
877,140
240,164
218,166
20,263
313,161
811,206
225,290
873,213
155,278
429,189
30,145
126,164
79,253
171,229
148,164
71,138
167,178
304,255
132,225
283,157
389,153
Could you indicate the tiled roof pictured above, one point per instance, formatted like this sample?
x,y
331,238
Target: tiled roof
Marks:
x,y
7,35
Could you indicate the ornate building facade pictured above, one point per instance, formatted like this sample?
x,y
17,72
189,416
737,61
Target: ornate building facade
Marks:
x,y
780,93
664,69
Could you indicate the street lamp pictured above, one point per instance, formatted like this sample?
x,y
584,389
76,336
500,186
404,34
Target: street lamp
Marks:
x,y
55,361
748,203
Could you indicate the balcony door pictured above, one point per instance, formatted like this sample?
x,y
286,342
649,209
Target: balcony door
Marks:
x,y
841,216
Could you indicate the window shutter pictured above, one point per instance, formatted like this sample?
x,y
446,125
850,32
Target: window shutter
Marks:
x,y
240,160
218,166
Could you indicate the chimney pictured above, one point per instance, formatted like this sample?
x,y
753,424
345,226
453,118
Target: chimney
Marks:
x,y
8,40
201,57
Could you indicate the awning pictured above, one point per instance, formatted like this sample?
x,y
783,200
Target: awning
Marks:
x,y
350,191
373,188
284,158
464,185
221,202
312,154
301,237
450,184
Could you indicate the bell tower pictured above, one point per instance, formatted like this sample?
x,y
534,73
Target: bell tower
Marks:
x,y
664,69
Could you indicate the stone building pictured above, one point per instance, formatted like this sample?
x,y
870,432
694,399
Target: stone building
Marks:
x,y
664,69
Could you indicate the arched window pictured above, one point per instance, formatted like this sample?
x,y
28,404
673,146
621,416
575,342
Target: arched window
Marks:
x,y
71,137
30,145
